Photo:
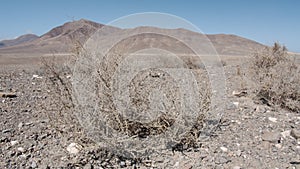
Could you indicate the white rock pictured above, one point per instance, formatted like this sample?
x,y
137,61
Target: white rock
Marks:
x,y
33,164
286,134
236,104
273,119
279,146
20,125
74,148
224,149
122,164
260,109
236,167
239,93
14,142
23,156
36,77
21,149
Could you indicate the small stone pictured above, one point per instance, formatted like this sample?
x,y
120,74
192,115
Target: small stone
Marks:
x,y
64,158
236,167
7,130
221,160
236,104
21,149
28,124
20,125
11,153
224,149
286,134
272,137
8,95
295,133
73,148
43,136
14,142
260,109
187,166
273,119
238,122
279,146
36,77
23,156
122,164
231,106
239,93
33,164
238,153
88,166
128,162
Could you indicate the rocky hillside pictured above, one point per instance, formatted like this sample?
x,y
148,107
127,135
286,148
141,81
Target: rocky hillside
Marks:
x,y
62,38
20,40
58,40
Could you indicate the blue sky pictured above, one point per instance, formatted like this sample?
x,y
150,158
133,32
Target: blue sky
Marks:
x,y
265,21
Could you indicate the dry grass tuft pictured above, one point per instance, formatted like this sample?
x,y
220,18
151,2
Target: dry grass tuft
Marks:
x,y
277,78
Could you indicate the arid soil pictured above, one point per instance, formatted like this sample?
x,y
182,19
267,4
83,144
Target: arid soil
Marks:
x,y
35,133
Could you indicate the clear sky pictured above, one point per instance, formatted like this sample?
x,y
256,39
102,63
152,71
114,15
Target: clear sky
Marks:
x,y
265,21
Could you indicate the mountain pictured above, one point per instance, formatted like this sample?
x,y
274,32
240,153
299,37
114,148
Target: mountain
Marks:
x,y
19,40
58,40
61,39
233,44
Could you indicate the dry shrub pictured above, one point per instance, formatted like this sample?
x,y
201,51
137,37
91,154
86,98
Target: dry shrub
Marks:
x,y
277,78
58,106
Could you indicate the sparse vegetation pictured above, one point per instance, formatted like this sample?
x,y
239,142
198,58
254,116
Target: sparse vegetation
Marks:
x,y
58,105
277,78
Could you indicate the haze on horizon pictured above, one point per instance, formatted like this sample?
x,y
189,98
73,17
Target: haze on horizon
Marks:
x,y
263,21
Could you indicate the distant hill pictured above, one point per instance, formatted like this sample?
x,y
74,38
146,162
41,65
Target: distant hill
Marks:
x,y
62,38
58,40
19,40
233,44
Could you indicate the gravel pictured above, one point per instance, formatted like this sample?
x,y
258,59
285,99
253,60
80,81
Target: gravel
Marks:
x,y
245,138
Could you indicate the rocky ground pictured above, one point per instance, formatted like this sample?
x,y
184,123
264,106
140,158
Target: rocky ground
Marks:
x,y
33,135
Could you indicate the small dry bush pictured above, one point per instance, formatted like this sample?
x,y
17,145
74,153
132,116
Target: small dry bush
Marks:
x,y
58,106
277,77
